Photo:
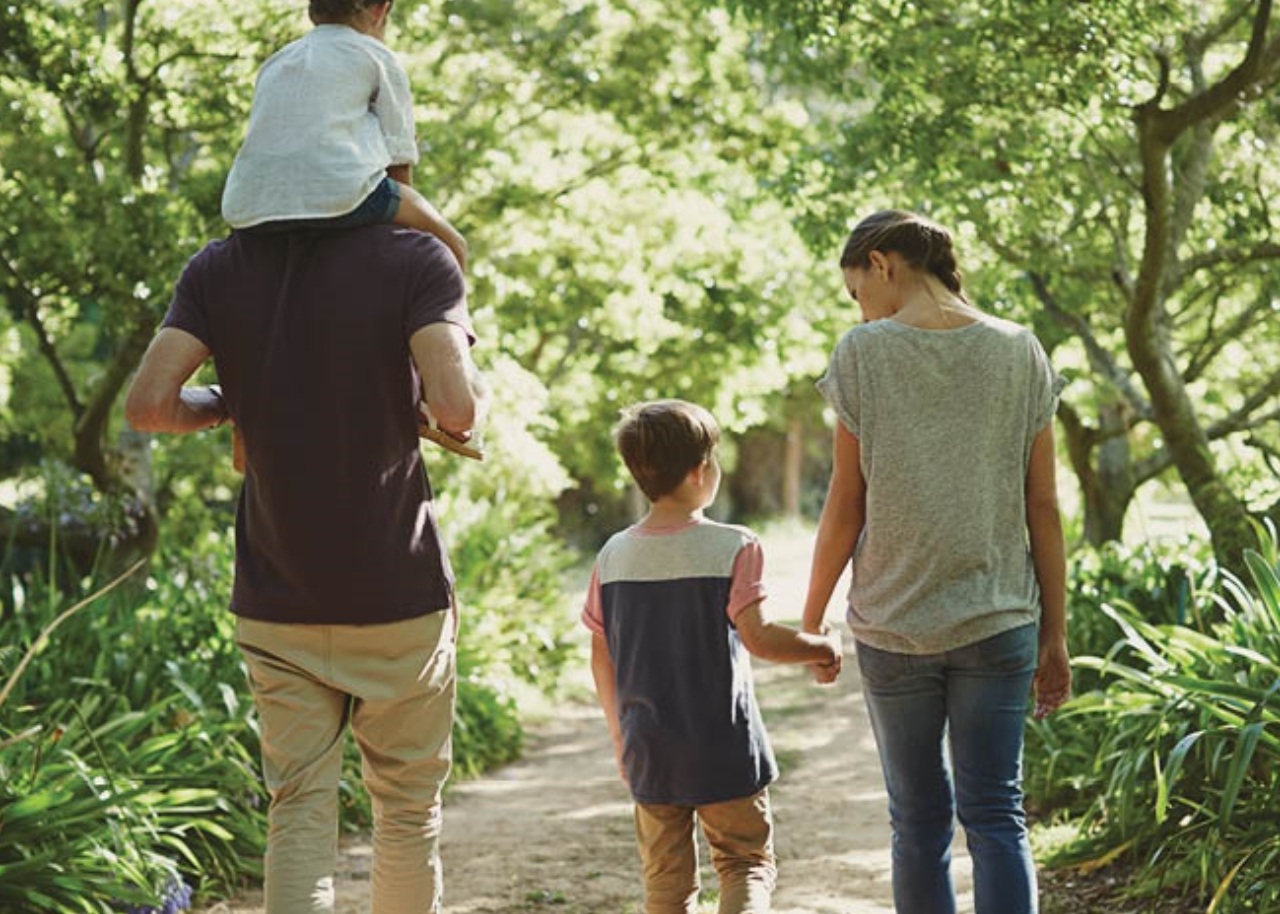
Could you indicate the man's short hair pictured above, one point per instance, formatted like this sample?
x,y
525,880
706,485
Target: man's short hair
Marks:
x,y
662,441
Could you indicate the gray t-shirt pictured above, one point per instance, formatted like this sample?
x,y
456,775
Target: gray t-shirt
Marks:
x,y
945,419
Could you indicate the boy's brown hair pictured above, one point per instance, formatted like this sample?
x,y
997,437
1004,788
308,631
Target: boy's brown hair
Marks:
x,y
338,11
662,441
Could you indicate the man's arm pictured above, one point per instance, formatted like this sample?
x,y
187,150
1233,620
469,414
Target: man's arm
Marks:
x,y
452,387
157,401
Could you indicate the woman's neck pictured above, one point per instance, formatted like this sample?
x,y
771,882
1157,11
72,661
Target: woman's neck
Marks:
x,y
930,305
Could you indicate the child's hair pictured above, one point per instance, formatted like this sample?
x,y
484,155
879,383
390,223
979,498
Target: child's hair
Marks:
x,y
338,11
922,243
663,441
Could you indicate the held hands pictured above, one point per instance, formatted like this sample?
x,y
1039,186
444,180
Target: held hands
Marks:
x,y
828,671
1052,683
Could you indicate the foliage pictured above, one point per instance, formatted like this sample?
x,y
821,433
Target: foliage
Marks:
x,y
1175,761
624,240
1160,585
1108,170
129,749
129,757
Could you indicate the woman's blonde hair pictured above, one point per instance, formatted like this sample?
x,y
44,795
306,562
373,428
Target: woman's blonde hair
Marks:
x,y
921,242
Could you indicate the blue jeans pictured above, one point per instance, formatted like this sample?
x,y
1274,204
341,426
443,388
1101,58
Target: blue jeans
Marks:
x,y
976,694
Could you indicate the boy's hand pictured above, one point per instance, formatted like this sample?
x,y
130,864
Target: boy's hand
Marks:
x,y
622,769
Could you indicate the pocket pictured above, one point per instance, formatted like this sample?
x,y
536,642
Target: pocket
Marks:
x,y
881,667
1014,651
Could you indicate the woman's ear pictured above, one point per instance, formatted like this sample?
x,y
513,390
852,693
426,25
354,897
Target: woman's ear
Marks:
x,y
881,264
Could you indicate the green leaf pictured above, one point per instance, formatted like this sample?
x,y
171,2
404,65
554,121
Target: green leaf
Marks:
x,y
1245,746
1268,583
1166,780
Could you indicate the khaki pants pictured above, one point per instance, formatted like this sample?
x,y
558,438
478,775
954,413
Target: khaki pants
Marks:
x,y
740,833
394,684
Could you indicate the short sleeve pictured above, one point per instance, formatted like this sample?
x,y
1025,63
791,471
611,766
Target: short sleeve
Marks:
x,y
439,293
393,106
746,584
592,614
187,308
1046,387
840,385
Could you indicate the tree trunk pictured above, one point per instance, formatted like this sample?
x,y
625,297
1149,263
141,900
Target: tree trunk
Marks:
x,y
1147,337
792,469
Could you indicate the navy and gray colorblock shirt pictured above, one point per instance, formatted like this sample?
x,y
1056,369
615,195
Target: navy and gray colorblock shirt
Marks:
x,y
665,599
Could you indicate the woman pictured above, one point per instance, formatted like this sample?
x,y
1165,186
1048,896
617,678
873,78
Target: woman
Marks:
x,y
943,494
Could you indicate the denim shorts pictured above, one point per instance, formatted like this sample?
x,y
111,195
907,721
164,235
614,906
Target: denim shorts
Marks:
x,y
376,209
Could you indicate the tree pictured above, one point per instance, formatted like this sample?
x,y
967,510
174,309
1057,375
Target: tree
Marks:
x,y
1105,162
608,162
104,193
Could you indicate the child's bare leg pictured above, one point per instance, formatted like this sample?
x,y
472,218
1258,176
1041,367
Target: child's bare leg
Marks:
x,y
415,211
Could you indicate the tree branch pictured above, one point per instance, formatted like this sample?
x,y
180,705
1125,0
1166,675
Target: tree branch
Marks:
x,y
28,306
1191,170
1267,250
1215,32
1242,419
1100,357
1151,466
1080,441
138,93
90,429
1227,91
1217,339
1272,458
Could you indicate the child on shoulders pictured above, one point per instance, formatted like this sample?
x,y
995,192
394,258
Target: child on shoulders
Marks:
x,y
674,608
331,135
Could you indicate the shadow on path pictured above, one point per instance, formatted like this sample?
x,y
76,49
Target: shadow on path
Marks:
x,y
554,832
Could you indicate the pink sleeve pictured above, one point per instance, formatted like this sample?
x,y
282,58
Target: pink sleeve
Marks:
x,y
746,585
592,615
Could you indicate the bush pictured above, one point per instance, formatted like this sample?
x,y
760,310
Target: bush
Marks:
x,y
1174,762
129,766
128,761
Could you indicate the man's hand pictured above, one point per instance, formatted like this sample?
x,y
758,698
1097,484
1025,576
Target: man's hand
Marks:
x,y
457,442
157,401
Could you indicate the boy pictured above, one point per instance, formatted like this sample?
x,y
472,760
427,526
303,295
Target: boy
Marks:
x,y
331,135
674,606
331,145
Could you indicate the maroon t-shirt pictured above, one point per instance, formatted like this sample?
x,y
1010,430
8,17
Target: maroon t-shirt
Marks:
x,y
310,336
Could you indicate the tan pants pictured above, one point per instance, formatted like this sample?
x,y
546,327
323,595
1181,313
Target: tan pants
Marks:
x,y
394,684
740,833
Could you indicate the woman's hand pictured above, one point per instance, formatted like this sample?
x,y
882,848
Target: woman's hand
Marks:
x,y
1052,683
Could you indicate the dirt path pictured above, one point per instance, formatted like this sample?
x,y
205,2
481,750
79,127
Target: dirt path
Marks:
x,y
554,831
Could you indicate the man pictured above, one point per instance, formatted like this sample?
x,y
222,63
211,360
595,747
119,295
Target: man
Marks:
x,y
325,343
